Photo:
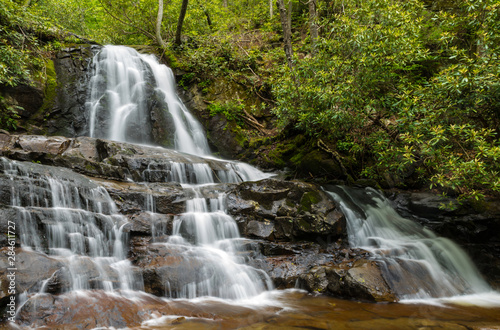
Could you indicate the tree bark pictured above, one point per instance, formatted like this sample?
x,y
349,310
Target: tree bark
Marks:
x,y
159,18
207,14
287,40
313,27
287,32
271,9
224,3
289,17
180,21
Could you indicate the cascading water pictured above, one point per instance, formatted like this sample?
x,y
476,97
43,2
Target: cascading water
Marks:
x,y
189,134
120,101
416,263
73,220
82,227
208,238
203,233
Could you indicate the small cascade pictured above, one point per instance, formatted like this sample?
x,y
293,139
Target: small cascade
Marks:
x,y
207,237
417,264
210,239
118,102
69,218
189,134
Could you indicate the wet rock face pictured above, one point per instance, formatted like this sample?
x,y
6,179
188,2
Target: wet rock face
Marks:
x,y
84,311
103,158
285,211
68,115
32,269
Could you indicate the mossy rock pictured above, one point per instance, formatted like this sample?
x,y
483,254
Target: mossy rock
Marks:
x,y
308,199
49,96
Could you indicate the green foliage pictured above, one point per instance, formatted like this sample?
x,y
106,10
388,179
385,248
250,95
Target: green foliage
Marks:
x,y
21,48
133,22
406,91
8,114
409,93
232,110
14,58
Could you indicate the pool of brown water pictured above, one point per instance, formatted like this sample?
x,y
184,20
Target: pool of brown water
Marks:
x,y
277,309
305,311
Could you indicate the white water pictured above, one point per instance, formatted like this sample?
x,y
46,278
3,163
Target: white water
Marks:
x,y
118,108
208,239
417,264
82,226
189,134
119,100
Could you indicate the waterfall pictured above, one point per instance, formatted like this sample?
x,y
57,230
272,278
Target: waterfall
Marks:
x,y
212,237
189,134
205,232
416,263
120,100
207,236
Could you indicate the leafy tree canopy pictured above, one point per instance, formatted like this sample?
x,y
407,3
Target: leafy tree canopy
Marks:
x,y
405,92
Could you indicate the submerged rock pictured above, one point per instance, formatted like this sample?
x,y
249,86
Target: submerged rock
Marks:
x,y
363,280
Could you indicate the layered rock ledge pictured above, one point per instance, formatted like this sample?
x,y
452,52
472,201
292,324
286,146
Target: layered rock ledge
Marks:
x,y
292,228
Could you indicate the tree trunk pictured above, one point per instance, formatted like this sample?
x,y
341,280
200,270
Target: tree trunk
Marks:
x,y
271,9
289,17
159,18
287,32
224,3
287,40
180,21
313,27
207,14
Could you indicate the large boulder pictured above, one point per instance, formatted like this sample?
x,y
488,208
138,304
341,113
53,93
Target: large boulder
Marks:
x,y
285,211
363,280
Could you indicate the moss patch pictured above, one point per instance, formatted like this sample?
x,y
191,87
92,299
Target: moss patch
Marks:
x,y
50,86
308,199
49,96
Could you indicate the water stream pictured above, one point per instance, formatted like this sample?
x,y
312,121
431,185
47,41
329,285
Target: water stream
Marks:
x,y
417,264
82,227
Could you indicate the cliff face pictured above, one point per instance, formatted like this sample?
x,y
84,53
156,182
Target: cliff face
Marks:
x,y
56,104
